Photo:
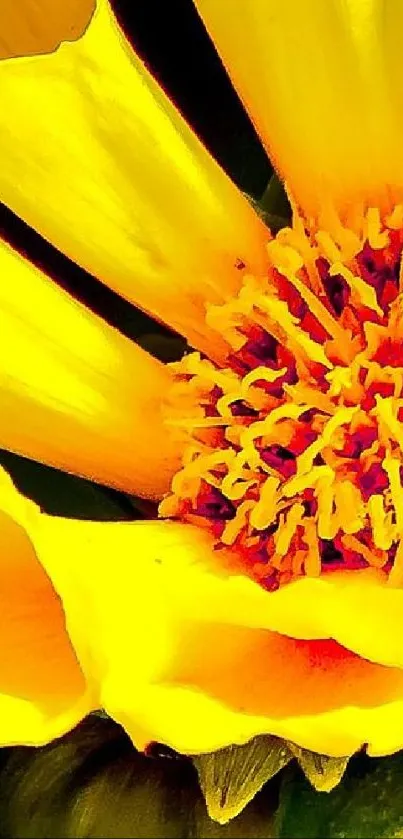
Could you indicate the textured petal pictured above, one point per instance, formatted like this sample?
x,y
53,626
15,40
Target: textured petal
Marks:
x,y
359,609
74,393
185,653
322,81
98,160
28,28
43,692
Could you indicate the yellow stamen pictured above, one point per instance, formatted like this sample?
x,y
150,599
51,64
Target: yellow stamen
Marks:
x,y
297,444
264,511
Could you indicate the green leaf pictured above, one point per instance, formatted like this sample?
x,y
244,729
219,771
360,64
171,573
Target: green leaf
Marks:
x,y
322,771
275,200
231,777
367,803
93,783
273,208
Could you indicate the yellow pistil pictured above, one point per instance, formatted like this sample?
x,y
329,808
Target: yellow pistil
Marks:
x,y
299,464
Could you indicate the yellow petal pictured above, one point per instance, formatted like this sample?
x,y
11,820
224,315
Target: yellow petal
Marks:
x,y
28,28
184,650
74,393
356,608
98,160
43,692
321,80
314,693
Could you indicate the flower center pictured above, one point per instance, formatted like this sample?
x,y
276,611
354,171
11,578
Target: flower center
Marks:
x,y
294,451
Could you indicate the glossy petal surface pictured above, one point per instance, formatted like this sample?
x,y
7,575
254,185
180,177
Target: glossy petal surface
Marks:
x,y
74,393
173,635
322,83
98,160
43,692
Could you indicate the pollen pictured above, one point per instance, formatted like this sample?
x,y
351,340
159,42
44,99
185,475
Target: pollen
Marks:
x,y
294,448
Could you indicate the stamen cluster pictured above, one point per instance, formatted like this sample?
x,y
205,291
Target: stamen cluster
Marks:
x,y
294,451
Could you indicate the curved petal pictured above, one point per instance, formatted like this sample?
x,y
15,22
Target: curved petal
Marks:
x,y
109,172
74,393
313,693
322,83
359,609
174,634
43,692
26,29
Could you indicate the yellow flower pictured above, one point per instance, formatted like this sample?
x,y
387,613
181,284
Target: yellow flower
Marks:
x,y
273,602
